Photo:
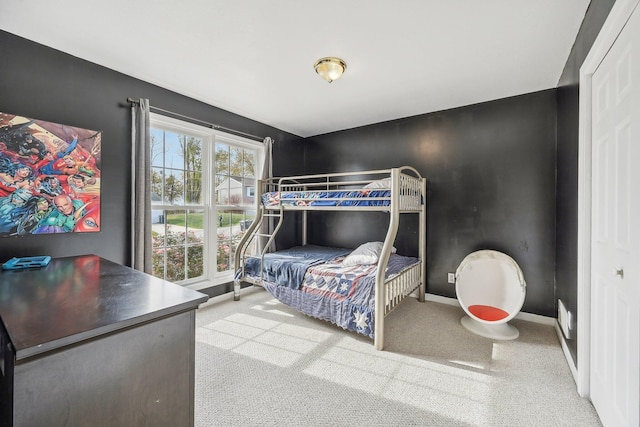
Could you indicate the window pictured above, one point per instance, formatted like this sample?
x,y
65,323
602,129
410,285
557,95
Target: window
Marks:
x,y
203,200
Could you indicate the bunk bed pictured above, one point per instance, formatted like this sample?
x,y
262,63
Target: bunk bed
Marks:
x,y
354,289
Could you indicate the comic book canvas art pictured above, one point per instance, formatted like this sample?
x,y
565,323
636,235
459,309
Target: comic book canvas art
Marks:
x,y
49,177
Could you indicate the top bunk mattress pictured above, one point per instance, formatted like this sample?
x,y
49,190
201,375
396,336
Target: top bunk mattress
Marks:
x,y
365,197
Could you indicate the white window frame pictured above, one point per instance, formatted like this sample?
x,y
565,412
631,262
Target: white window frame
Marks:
x,y
210,137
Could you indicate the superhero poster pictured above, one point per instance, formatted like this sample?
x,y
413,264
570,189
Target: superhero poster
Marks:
x,y
49,177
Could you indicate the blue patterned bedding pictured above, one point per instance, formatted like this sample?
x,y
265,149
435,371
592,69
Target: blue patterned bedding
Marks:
x,y
338,294
327,198
287,267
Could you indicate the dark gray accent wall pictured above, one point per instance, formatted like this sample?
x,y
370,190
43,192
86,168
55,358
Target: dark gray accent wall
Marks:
x,y
567,159
491,185
42,83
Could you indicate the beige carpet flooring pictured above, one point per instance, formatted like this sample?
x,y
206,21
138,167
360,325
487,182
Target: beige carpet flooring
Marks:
x,y
261,363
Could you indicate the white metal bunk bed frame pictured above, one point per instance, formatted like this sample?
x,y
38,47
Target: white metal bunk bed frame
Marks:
x,y
407,195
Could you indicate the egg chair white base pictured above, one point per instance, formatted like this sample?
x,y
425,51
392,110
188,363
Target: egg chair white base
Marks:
x,y
491,289
496,331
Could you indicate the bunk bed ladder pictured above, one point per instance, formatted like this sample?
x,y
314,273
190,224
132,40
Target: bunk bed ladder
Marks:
x,y
272,235
253,237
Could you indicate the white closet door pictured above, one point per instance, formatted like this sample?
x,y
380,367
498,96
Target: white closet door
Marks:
x,y
615,287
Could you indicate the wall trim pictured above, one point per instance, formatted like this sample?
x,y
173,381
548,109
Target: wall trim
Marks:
x,y
567,353
535,318
615,22
529,317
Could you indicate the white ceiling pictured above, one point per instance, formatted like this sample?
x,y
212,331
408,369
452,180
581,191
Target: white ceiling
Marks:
x,y
255,57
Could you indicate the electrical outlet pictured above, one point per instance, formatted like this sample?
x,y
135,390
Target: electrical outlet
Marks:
x,y
451,278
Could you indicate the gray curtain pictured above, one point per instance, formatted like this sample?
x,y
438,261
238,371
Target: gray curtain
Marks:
x,y
141,187
267,169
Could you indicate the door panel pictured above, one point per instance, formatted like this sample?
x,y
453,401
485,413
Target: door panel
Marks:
x,y
615,323
622,187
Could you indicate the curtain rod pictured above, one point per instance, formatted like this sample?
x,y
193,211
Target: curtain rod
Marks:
x,y
198,121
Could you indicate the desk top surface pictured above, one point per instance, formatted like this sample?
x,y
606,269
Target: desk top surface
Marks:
x,y
77,298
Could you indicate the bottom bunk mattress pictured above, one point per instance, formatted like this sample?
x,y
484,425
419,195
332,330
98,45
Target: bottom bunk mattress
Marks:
x,y
327,290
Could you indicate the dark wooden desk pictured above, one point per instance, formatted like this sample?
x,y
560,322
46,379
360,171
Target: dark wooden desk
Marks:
x,y
87,342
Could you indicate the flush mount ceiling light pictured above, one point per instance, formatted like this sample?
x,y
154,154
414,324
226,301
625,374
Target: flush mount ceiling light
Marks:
x,y
330,68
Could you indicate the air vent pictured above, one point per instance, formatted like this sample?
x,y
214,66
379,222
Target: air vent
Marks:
x,y
564,319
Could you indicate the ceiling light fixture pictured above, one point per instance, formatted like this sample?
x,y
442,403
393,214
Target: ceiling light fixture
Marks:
x,y
330,68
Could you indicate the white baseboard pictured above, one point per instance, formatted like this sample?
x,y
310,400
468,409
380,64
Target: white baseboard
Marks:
x,y
228,296
567,353
535,318
442,300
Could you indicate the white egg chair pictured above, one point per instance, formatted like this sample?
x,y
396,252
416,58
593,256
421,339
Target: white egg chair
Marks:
x,y
491,289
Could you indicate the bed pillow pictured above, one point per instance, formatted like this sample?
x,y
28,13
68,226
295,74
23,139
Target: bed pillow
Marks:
x,y
367,253
380,183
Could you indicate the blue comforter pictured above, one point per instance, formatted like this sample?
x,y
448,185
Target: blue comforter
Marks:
x,y
287,267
